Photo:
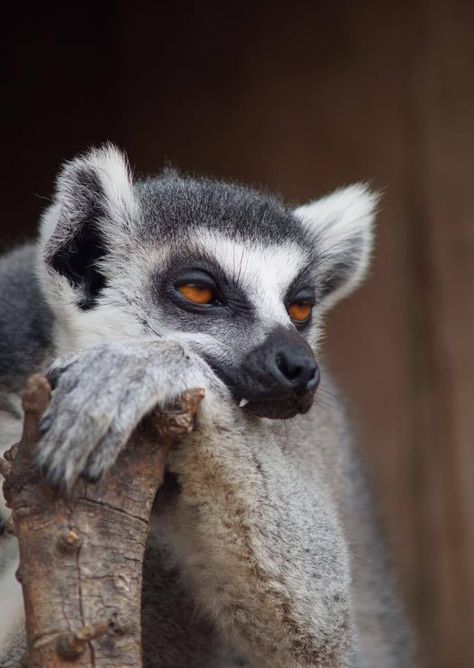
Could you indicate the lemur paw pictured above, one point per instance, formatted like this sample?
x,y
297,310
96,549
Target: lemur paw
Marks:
x,y
98,398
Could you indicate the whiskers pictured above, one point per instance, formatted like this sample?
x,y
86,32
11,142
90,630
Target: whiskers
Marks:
x,y
326,400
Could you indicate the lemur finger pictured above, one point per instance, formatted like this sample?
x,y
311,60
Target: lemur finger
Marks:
x,y
58,367
105,453
72,434
129,414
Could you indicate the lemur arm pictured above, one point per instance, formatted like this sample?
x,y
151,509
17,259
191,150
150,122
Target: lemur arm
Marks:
x,y
258,544
260,547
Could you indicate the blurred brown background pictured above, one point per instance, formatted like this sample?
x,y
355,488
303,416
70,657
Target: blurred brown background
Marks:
x,y
303,97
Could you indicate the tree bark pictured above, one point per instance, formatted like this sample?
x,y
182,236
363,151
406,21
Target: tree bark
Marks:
x,y
81,554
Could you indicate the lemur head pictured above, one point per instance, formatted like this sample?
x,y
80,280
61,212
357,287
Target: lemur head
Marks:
x,y
233,273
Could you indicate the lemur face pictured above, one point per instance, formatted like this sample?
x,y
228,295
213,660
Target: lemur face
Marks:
x,y
231,272
247,308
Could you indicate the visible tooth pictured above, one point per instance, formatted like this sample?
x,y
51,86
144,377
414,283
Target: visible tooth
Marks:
x,y
243,402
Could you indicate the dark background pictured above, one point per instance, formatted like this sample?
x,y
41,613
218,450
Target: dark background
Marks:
x,y
302,97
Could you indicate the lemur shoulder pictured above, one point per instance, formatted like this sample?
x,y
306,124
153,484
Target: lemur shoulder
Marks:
x,y
263,551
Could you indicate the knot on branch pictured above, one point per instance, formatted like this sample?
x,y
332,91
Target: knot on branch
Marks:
x,y
69,540
72,644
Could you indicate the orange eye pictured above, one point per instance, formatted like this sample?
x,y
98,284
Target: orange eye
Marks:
x,y
196,294
299,312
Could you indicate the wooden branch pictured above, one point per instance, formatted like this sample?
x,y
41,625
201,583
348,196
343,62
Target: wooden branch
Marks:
x,y
81,555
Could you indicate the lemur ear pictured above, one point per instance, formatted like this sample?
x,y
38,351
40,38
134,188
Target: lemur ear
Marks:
x,y
341,225
93,206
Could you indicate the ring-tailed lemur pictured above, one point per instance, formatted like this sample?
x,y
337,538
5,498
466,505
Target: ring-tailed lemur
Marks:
x,y
263,550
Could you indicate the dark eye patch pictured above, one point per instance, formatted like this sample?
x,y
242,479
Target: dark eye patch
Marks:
x,y
202,270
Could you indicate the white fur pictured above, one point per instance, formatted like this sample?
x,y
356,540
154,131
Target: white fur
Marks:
x,y
335,221
77,330
112,168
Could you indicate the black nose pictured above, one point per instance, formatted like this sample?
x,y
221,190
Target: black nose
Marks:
x,y
277,379
280,370
298,369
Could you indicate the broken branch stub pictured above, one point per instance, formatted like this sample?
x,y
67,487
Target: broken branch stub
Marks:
x,y
81,554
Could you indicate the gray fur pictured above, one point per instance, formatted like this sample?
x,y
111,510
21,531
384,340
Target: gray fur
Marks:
x,y
26,323
263,550
175,204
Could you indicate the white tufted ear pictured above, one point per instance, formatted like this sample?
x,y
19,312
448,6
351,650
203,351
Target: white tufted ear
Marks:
x,y
93,208
341,225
